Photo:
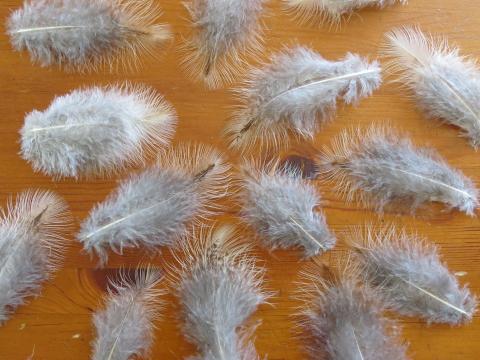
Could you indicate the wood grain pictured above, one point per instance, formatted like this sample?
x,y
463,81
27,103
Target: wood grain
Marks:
x,y
58,323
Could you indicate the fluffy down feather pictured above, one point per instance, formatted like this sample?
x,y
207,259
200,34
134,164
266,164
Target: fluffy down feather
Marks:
x,y
31,246
410,275
224,32
342,320
445,85
332,11
380,168
219,287
282,208
125,327
96,130
156,207
87,34
296,93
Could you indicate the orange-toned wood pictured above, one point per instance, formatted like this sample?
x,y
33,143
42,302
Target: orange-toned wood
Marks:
x,y
58,323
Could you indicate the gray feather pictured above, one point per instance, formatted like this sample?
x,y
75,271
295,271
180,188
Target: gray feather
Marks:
x,y
125,328
445,84
410,275
282,208
157,207
32,247
97,131
295,94
380,168
332,11
224,32
343,321
219,288
86,34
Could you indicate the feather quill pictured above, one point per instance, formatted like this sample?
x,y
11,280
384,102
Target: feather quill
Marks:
x,y
125,328
87,34
32,246
332,11
219,287
342,320
445,85
296,93
97,130
410,275
156,207
282,208
224,32
380,168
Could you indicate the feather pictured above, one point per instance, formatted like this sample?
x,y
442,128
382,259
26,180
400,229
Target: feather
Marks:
x,y
445,85
297,93
97,130
224,33
219,287
342,320
31,246
87,34
380,168
332,11
156,207
125,328
410,275
281,207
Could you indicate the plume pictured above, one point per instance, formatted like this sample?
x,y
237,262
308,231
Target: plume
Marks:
x,y
31,246
87,34
410,275
341,320
281,207
96,130
445,85
380,168
297,93
156,207
224,33
125,328
219,288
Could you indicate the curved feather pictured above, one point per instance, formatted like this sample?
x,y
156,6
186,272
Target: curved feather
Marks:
x,y
410,275
224,32
283,209
342,320
295,94
87,34
445,85
32,246
96,131
219,287
380,168
157,206
125,328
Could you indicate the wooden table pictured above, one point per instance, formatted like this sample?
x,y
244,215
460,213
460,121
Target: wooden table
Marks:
x,y
58,323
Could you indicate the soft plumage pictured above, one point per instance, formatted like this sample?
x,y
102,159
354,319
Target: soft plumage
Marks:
x,y
445,85
332,11
224,32
380,168
219,288
32,246
87,34
157,206
97,130
125,328
341,320
411,277
295,94
283,209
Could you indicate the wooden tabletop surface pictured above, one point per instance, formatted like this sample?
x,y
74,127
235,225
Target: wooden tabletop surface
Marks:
x,y
57,325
